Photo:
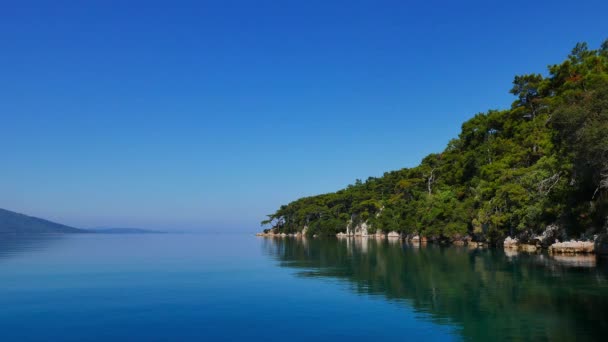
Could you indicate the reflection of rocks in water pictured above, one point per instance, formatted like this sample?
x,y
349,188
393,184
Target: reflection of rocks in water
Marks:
x,y
511,252
528,297
583,260
364,244
413,244
394,240
355,245
554,262
379,241
361,245
349,245
304,241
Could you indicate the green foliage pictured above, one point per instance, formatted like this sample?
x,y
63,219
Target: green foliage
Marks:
x,y
543,161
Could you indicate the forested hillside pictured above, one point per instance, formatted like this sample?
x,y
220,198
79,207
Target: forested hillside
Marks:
x,y
543,161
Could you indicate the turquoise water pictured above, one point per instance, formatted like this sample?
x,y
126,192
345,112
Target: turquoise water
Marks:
x,y
230,286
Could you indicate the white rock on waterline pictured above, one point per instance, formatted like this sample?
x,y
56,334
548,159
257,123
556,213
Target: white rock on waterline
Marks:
x,y
511,243
572,246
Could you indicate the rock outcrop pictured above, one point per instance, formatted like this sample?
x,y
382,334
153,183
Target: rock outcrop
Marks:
x,y
393,235
510,243
268,232
360,229
516,244
572,247
551,235
477,244
526,247
459,240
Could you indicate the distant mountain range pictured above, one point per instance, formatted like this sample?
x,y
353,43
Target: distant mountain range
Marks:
x,y
15,223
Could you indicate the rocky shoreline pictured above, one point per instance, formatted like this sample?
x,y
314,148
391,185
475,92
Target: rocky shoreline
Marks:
x,y
551,240
554,241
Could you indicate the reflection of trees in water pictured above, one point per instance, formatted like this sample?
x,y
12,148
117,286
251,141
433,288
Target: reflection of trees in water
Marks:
x,y
15,244
488,293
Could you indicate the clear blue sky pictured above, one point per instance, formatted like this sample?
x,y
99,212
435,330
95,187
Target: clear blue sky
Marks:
x,y
210,114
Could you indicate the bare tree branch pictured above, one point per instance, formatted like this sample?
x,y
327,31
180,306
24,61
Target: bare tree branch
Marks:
x,y
545,185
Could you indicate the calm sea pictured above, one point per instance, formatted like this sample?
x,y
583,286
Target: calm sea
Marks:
x,y
164,287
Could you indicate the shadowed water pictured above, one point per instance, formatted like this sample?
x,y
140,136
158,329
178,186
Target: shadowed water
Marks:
x,y
233,287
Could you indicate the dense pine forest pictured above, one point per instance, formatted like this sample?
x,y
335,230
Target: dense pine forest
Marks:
x,y
510,172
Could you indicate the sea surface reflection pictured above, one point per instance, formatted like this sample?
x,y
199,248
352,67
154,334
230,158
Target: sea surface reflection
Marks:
x,y
184,287
167,287
490,294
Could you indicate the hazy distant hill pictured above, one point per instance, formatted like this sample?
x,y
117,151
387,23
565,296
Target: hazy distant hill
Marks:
x,y
123,231
12,222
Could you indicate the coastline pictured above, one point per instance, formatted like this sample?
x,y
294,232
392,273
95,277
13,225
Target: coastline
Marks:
x,y
534,245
